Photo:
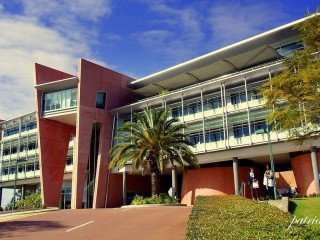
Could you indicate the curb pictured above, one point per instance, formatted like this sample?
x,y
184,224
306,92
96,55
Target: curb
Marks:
x,y
28,212
154,205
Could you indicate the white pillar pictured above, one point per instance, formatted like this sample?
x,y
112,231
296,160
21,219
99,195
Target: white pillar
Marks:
x,y
124,188
315,168
174,182
235,175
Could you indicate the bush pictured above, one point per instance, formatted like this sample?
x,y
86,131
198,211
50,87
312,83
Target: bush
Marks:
x,y
161,199
32,201
234,217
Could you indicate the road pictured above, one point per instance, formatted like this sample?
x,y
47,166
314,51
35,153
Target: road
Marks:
x,y
111,224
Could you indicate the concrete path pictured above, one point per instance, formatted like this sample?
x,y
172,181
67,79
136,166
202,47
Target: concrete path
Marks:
x,y
111,224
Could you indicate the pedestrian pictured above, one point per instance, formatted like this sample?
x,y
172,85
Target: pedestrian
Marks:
x,y
253,184
268,181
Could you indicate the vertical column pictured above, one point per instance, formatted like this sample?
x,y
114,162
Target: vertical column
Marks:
x,y
117,128
0,196
223,122
315,168
182,108
226,113
124,188
1,155
277,135
174,181
23,191
248,113
203,128
235,175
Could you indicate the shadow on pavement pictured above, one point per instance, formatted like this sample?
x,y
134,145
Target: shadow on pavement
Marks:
x,y
22,228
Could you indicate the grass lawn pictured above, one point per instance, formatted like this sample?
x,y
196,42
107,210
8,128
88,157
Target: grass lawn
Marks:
x,y
234,217
306,207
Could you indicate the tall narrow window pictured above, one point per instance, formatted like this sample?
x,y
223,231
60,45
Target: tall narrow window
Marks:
x,y
101,100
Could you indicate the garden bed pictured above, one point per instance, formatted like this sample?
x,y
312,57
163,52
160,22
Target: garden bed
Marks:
x,y
234,217
155,205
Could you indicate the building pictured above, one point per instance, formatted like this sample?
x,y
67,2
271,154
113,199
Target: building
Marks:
x,y
216,94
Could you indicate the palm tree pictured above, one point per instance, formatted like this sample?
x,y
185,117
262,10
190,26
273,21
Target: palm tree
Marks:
x,y
151,143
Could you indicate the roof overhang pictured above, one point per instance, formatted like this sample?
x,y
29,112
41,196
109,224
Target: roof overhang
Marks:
x,y
208,68
58,85
258,72
235,57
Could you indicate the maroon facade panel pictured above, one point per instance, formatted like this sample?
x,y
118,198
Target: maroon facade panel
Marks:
x,y
54,136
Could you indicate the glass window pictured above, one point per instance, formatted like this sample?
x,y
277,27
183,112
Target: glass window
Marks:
x,y
176,112
60,100
214,135
196,138
101,100
241,130
238,97
73,97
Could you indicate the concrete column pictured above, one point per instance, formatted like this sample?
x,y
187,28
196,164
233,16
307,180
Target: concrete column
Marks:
x,y
315,168
0,196
174,181
23,191
124,188
235,175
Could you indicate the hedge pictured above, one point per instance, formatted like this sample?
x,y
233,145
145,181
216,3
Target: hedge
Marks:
x,y
234,217
161,199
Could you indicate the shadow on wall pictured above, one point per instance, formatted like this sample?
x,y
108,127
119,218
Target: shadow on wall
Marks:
x,y
14,229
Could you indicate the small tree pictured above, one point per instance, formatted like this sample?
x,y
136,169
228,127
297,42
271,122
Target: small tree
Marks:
x,y
293,96
151,143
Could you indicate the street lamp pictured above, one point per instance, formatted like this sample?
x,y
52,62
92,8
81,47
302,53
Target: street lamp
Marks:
x,y
267,131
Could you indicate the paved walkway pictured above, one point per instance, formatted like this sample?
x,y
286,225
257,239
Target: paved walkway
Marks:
x,y
112,224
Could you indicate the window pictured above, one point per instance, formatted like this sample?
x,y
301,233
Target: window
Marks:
x,y
196,138
176,112
214,135
212,103
101,100
238,97
241,130
289,49
255,126
69,160
60,100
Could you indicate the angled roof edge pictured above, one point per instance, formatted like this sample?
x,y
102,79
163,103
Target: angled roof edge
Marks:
x,y
175,67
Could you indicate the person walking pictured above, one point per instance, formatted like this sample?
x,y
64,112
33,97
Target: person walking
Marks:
x,y
268,181
253,184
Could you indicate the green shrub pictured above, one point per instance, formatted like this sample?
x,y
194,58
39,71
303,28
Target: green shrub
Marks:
x,y
234,217
161,199
32,201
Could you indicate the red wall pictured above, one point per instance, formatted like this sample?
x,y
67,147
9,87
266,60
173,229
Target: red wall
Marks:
x,y
302,169
54,136
210,181
92,79
53,141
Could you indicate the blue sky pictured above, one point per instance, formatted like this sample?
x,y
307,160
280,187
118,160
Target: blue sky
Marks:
x,y
135,37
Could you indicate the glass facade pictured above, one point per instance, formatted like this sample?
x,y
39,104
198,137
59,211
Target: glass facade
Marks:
x,y
227,120
19,150
60,100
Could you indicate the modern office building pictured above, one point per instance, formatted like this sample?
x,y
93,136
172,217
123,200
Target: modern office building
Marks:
x,y
66,141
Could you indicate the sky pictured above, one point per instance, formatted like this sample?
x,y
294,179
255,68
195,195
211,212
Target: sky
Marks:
x,y
134,37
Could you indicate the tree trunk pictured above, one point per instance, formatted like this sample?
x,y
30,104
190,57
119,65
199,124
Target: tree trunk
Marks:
x,y
155,183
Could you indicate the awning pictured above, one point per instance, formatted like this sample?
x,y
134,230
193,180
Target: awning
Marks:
x,y
207,68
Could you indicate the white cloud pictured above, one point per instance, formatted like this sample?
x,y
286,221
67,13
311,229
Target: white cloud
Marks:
x,y
50,33
85,9
180,34
233,21
183,32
